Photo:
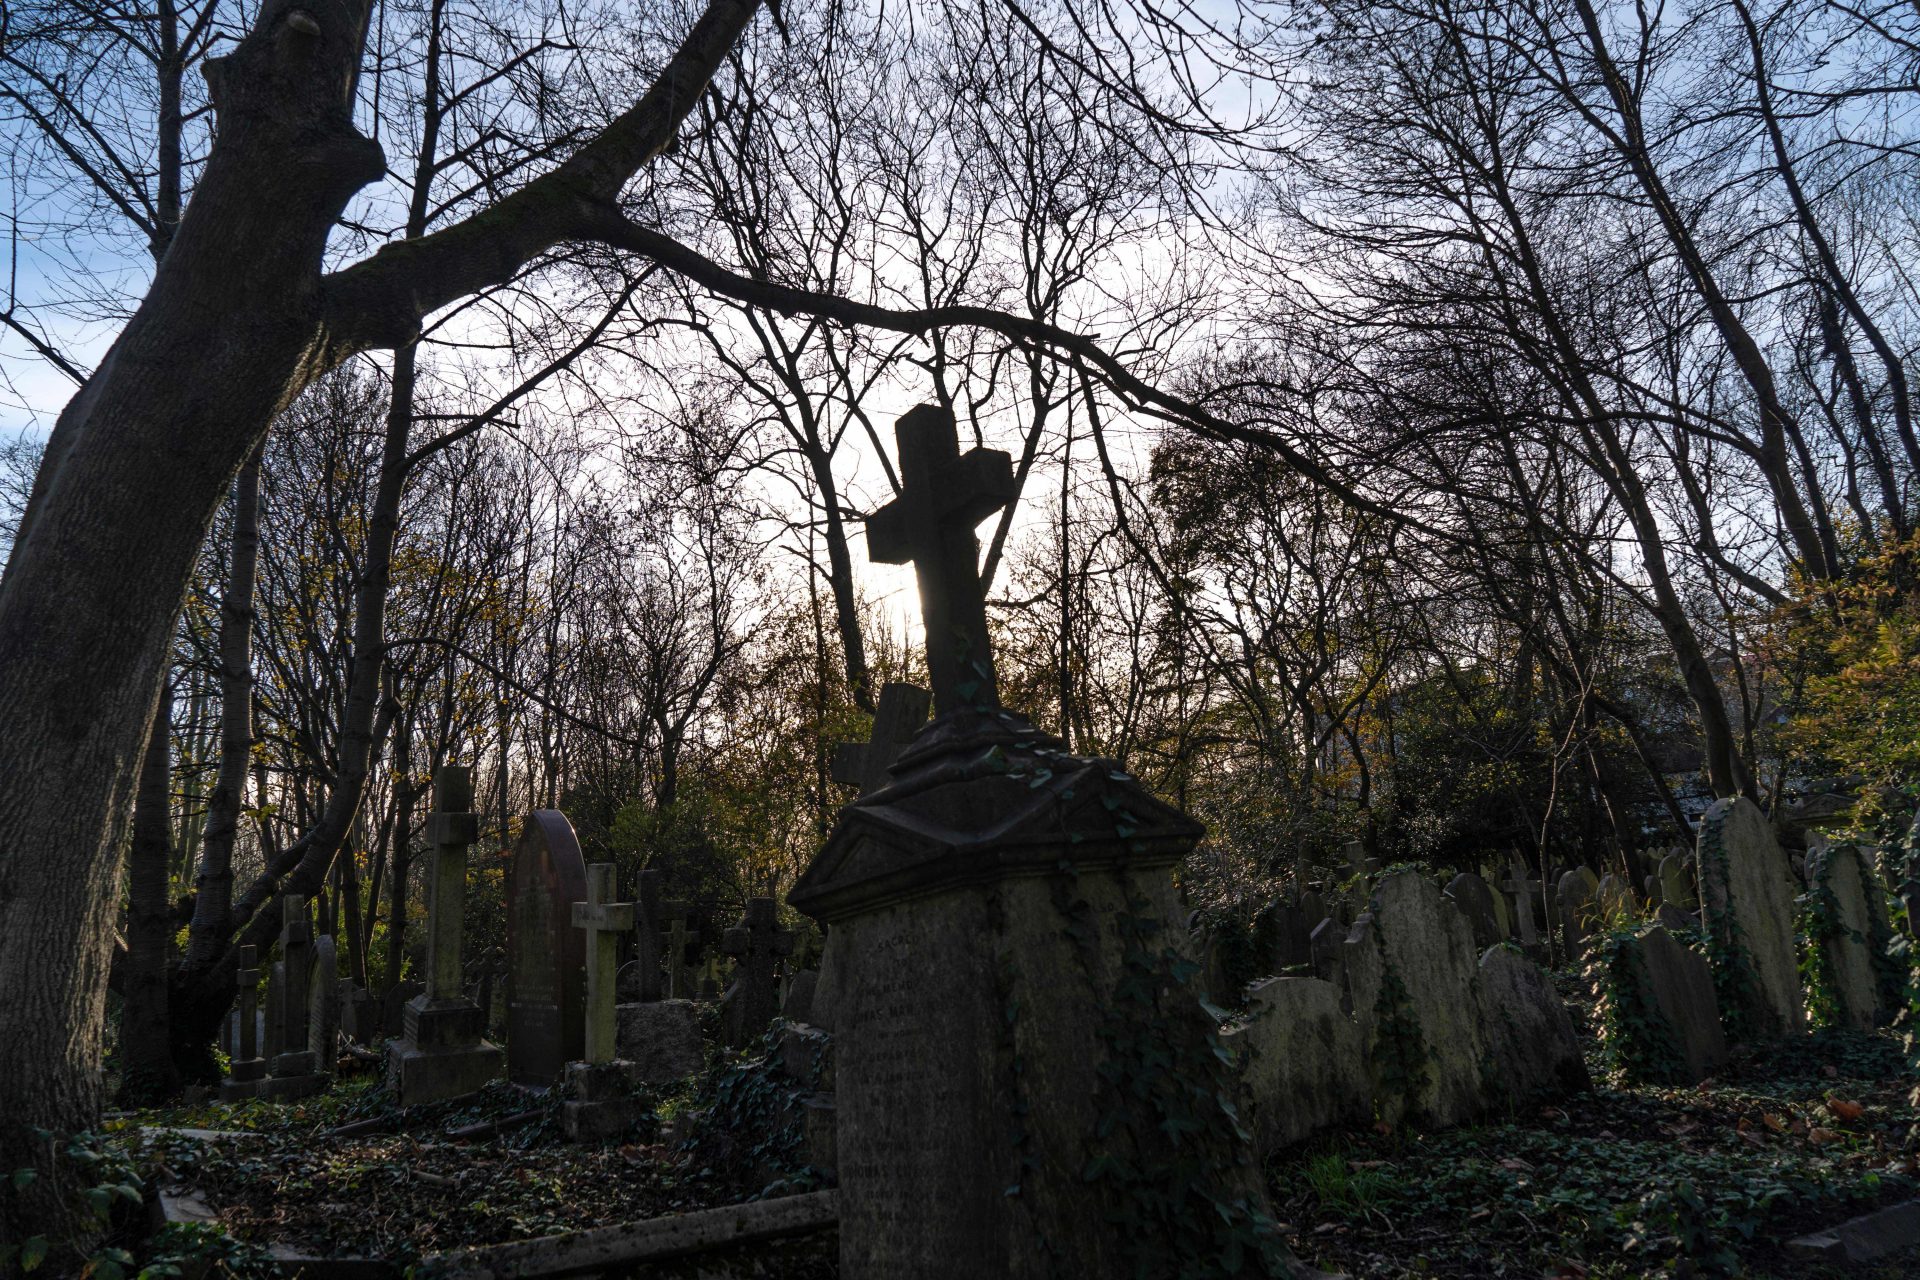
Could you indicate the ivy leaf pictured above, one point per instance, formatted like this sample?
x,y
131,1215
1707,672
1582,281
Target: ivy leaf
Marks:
x,y
33,1252
23,1178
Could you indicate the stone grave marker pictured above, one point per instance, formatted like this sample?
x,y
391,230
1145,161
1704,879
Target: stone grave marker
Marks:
x,y
1535,1053
1305,1067
942,894
1676,882
1851,918
323,1005
393,1005
1747,893
679,937
1673,919
899,714
246,1068
1524,890
1284,936
1613,899
1679,1039
643,980
296,1069
442,1051
600,1102
546,955
710,979
797,1004
1413,985
274,1037
1470,894
1328,938
757,943
1579,916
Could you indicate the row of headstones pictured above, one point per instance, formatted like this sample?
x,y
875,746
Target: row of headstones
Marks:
x,y
288,1049
1408,1019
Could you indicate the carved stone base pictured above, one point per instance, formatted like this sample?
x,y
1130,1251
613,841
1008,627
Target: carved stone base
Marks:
x,y
435,1074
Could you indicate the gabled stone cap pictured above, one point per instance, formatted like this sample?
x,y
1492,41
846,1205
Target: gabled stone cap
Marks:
x,y
979,798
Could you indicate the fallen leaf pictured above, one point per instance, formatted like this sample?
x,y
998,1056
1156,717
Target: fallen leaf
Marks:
x,y
1516,1164
1832,1072
1845,1110
1775,1123
1821,1137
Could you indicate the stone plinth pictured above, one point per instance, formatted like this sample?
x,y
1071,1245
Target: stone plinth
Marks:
x,y
440,1053
1005,945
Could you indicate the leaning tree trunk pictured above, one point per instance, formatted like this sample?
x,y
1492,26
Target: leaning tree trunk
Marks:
x,y
147,1073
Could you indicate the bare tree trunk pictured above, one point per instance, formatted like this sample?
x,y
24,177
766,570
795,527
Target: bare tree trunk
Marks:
x,y
147,1073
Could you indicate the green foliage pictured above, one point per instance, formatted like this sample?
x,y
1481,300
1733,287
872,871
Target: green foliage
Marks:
x,y
1736,984
99,1186
192,1249
1820,930
749,1124
1400,1062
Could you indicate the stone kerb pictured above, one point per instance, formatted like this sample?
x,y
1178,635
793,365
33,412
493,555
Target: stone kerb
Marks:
x,y
1748,891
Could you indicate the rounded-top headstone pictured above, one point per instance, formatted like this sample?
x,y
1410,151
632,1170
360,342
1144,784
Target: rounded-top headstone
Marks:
x,y
1748,907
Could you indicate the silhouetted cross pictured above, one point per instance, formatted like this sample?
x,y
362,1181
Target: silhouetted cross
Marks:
x,y
902,710
943,496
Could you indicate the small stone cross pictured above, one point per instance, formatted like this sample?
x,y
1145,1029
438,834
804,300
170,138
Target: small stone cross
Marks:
x,y
943,496
604,920
246,1047
899,715
452,828
679,978
296,958
757,943
1523,890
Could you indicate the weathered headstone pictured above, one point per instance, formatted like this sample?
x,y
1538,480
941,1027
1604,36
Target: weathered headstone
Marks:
x,y
756,944
296,1068
1412,982
1305,1070
898,715
1747,895
323,1005
1579,915
1613,899
1848,917
1001,901
275,1038
246,1068
1674,919
1471,895
710,979
1284,936
1673,1035
798,1000
1676,882
546,955
643,980
680,983
1535,1053
1524,889
1328,937
442,1051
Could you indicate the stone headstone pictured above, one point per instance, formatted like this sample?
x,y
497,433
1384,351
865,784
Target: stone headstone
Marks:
x,y
1285,936
1679,1040
1852,916
798,1003
323,1005
1305,1070
442,1051
757,943
1413,985
901,710
1470,894
1535,1053
1613,899
296,1068
1747,893
650,940
679,938
275,1039
1003,901
1328,937
1524,890
393,1005
1578,892
546,955
1674,919
661,1039
246,1066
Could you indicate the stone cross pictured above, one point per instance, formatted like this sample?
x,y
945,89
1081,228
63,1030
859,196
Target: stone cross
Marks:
x,y
710,979
246,1063
901,712
679,976
451,828
757,943
943,496
604,920
1523,890
647,921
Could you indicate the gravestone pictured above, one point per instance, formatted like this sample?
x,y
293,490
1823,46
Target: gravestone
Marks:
x,y
1304,1069
1284,935
600,1102
546,955
642,979
1524,890
1328,938
1676,882
1747,895
797,1004
1470,894
678,938
1849,918
275,1037
1413,985
359,1013
709,984
662,1040
1535,1053
296,1068
1676,1038
1001,901
756,944
898,715
1579,914
442,1051
1613,900
393,1005
323,1005
1675,920
246,1068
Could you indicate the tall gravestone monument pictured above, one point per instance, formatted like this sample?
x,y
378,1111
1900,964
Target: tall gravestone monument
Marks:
x,y
246,1069
1006,949
442,1051
296,1067
1747,893
546,955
